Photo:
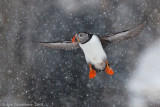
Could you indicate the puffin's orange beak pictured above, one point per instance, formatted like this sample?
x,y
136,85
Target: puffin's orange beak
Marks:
x,y
73,39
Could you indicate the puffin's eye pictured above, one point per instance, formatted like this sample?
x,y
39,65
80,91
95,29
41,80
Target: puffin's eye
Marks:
x,y
80,35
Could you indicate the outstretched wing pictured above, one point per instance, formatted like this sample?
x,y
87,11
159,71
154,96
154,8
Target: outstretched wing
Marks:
x,y
124,35
66,45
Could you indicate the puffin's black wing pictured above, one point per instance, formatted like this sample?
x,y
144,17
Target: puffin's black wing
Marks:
x,y
66,45
124,35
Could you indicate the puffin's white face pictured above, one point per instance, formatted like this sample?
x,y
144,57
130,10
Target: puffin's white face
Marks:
x,y
80,38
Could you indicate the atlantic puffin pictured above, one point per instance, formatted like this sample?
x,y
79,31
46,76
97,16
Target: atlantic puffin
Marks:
x,y
93,47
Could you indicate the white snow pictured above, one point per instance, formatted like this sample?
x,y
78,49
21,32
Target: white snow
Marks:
x,y
144,85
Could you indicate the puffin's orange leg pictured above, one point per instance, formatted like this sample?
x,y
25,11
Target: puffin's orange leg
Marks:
x,y
92,72
108,69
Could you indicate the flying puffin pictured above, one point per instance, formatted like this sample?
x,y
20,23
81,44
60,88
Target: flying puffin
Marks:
x,y
93,47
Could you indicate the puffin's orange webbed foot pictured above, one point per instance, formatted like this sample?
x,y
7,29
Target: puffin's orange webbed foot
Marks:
x,y
92,72
109,70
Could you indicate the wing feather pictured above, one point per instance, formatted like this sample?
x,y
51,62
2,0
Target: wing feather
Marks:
x,y
66,45
124,35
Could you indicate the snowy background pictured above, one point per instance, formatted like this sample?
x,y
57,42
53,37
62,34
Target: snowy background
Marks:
x,y
31,74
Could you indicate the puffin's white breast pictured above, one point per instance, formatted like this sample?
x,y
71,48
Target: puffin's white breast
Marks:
x,y
94,52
